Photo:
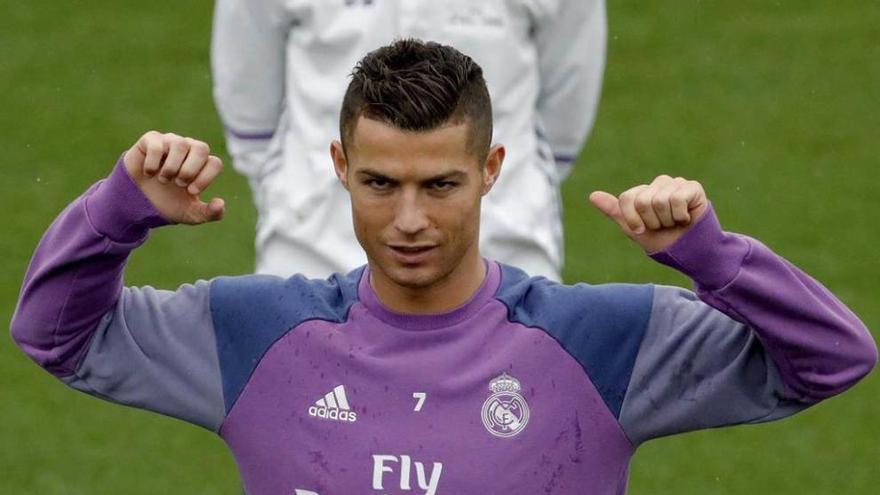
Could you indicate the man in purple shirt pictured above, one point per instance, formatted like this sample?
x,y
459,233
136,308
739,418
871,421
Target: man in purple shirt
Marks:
x,y
431,370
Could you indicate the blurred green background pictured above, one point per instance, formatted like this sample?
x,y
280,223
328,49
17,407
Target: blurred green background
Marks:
x,y
772,105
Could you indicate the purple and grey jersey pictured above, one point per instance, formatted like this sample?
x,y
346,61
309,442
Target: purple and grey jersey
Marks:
x,y
529,387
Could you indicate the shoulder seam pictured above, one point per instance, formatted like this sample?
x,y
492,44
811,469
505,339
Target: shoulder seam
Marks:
x,y
343,319
576,360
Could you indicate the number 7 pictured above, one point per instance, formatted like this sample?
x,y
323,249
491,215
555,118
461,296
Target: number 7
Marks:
x,y
420,400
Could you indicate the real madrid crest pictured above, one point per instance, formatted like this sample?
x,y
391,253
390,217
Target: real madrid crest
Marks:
x,y
505,413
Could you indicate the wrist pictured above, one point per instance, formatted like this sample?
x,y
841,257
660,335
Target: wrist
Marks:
x,y
706,253
118,208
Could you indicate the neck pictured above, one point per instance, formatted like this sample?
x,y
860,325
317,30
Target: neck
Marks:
x,y
445,294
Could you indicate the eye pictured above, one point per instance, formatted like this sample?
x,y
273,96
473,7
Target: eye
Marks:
x,y
377,183
443,185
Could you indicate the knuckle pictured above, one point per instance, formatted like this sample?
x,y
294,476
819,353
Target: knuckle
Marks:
x,y
154,142
630,194
167,172
178,144
642,204
154,149
200,147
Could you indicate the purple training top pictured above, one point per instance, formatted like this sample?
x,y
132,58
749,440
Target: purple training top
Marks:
x,y
529,387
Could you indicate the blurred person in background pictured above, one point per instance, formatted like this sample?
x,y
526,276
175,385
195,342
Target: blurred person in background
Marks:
x,y
279,75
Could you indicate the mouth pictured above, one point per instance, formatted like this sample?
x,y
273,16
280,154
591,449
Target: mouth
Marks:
x,y
411,254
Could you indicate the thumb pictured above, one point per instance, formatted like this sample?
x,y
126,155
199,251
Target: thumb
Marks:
x,y
202,212
215,209
609,205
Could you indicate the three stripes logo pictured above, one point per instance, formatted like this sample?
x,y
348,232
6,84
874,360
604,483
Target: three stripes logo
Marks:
x,y
334,405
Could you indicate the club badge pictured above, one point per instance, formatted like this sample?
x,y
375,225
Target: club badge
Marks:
x,y
505,413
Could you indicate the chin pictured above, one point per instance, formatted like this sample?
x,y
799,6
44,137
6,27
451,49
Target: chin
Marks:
x,y
413,278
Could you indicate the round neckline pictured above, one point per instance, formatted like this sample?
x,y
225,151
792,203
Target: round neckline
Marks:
x,y
430,321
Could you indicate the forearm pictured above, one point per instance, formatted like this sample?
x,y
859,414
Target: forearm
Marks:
x,y
819,346
75,275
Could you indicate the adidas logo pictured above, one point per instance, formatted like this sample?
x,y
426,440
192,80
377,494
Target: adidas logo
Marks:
x,y
334,406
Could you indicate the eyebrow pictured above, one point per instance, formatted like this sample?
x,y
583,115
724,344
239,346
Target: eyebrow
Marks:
x,y
374,174
453,174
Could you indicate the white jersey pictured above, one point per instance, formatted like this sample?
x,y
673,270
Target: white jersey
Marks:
x,y
280,72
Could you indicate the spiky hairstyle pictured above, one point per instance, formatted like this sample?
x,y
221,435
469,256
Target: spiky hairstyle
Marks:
x,y
419,86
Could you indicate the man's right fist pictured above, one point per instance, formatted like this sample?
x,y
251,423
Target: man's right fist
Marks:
x,y
173,171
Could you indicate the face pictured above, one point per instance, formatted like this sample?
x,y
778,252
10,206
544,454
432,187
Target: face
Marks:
x,y
416,200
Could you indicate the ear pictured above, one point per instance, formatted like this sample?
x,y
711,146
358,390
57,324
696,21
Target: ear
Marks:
x,y
492,167
340,162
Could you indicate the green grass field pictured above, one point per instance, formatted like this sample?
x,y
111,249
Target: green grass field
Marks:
x,y
772,105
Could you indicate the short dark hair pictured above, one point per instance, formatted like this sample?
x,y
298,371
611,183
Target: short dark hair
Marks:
x,y
419,86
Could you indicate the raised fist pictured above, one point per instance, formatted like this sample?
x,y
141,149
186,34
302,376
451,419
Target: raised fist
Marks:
x,y
173,171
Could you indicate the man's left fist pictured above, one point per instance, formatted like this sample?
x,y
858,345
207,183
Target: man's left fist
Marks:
x,y
657,214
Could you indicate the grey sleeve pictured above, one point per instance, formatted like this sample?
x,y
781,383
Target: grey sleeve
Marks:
x,y
156,350
698,368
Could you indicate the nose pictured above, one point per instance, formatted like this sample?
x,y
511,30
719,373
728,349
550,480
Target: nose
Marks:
x,y
410,217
